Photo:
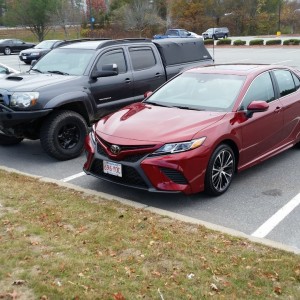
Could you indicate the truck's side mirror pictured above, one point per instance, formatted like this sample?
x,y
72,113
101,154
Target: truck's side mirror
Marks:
x,y
106,71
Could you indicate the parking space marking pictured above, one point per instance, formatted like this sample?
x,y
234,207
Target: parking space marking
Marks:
x,y
72,177
270,224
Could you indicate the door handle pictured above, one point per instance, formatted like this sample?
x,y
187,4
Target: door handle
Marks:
x,y
127,80
278,109
157,75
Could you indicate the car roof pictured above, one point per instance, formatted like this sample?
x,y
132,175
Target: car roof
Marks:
x,y
234,69
97,44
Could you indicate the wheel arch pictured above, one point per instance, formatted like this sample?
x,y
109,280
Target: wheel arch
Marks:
x,y
234,148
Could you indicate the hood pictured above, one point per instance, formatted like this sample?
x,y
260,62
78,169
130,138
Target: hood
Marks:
x,y
33,50
30,82
147,123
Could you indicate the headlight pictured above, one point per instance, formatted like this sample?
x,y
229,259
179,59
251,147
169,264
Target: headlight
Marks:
x,y
180,147
24,99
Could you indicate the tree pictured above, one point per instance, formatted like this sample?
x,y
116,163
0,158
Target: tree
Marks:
x,y
138,15
35,14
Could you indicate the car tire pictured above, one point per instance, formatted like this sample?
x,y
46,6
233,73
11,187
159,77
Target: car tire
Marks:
x,y
214,37
220,171
7,51
63,134
7,140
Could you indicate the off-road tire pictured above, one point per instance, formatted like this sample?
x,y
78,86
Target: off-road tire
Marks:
x,y
7,51
63,133
220,171
7,140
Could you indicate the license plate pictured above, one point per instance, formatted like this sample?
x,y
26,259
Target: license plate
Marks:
x,y
24,57
112,168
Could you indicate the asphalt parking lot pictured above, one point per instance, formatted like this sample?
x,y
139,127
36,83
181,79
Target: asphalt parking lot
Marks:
x,y
262,202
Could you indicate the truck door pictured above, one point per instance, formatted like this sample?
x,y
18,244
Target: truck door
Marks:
x,y
148,71
112,92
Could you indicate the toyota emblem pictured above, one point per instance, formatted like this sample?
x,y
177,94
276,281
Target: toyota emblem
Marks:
x,y
115,149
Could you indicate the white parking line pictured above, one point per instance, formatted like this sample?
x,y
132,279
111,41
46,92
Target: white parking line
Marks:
x,y
270,224
72,177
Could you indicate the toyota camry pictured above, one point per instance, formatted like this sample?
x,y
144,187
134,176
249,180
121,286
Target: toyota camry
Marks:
x,y
199,129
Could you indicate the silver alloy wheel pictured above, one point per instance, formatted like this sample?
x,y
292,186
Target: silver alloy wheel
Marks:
x,y
223,170
7,51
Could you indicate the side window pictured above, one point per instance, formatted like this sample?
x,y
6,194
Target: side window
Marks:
x,y
142,58
285,82
113,57
260,89
297,81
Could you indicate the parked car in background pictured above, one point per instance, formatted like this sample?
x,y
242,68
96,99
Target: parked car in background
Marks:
x,y
6,70
200,128
8,46
216,33
174,33
28,55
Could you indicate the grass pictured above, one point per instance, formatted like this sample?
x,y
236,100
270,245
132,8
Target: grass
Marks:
x,y
59,243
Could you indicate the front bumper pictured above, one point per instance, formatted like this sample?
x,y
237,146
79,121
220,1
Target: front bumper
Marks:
x,y
10,118
182,172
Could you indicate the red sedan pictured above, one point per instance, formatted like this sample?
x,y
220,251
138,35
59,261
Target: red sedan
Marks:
x,y
197,130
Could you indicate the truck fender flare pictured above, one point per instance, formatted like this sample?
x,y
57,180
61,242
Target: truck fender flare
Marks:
x,y
69,98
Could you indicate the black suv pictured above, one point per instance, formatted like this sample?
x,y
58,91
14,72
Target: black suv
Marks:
x,y
216,33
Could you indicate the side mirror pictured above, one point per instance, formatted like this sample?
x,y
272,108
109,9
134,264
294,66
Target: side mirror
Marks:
x,y
106,71
256,106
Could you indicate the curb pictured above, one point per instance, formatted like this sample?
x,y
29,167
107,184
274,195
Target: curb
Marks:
x,y
162,212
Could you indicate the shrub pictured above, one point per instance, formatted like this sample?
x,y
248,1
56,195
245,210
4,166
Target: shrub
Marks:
x,y
239,43
273,42
291,42
224,42
209,42
256,42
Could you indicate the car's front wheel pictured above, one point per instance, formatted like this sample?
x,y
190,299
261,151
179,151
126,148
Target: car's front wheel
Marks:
x,y
7,51
7,140
220,170
63,133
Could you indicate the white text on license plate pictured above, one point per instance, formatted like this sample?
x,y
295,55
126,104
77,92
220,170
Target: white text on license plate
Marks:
x,y
112,168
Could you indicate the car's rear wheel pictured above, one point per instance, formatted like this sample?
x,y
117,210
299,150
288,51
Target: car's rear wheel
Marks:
x,y
63,134
7,51
220,170
7,140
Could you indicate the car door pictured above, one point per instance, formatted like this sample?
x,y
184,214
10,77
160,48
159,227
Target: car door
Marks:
x,y
148,71
263,132
18,45
288,86
112,91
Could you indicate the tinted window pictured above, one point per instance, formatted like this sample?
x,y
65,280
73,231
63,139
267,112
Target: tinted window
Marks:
x,y
113,57
142,58
285,82
260,89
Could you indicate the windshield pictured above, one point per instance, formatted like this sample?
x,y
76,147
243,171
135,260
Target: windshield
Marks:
x,y
45,45
211,92
64,61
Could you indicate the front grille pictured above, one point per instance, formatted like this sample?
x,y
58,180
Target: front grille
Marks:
x,y
174,175
130,176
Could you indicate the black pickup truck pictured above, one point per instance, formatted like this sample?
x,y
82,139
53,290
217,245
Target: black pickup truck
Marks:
x,y
73,86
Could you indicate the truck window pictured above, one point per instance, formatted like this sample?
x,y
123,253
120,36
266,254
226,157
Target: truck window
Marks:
x,y
142,58
113,57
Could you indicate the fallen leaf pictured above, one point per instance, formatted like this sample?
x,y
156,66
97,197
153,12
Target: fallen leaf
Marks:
x,y
118,296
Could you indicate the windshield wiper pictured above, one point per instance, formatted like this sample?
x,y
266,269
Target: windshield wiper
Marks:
x,y
187,107
156,104
59,72
36,70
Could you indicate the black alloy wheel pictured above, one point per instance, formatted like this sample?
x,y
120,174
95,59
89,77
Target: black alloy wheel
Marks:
x,y
220,171
63,134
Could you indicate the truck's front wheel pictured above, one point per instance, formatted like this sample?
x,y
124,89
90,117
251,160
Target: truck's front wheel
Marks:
x,y
63,134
